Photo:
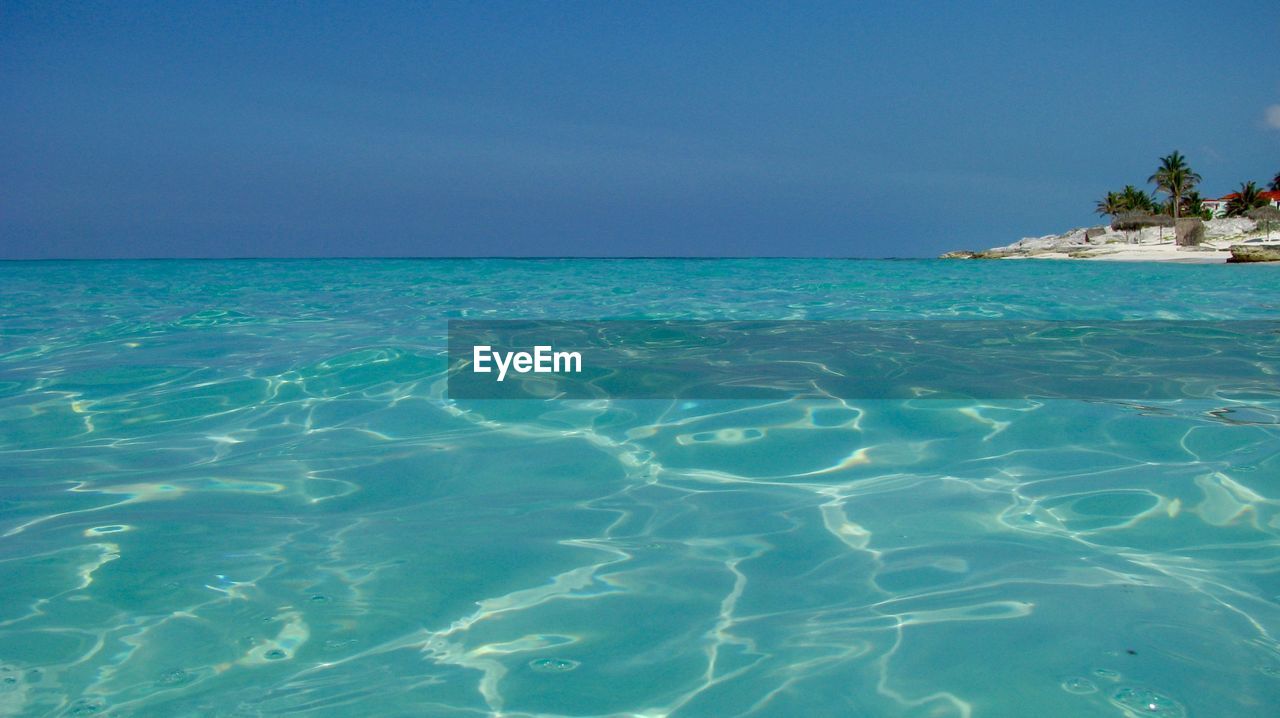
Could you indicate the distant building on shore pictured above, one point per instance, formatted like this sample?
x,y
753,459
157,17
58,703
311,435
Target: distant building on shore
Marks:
x,y
1218,207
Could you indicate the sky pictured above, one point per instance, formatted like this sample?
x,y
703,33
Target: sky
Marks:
x,y
846,129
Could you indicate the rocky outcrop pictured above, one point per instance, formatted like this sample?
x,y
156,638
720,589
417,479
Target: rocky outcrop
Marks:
x,y
984,254
1227,227
1255,253
1189,234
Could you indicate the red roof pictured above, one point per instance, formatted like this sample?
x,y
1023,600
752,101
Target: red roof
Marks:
x,y
1268,195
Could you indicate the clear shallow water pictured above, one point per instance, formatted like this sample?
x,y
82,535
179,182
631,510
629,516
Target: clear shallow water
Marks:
x,y
237,489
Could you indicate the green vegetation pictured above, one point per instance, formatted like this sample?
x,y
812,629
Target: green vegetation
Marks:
x,y
1193,206
1175,178
1247,198
1130,199
1109,205
1177,181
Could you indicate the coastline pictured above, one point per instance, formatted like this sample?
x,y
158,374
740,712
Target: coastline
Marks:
x,y
1167,252
1152,244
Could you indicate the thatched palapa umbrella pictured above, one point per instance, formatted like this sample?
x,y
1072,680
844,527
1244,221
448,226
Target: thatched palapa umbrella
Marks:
x,y
1129,221
1268,214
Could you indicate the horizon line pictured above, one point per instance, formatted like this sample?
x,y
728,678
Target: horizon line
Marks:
x,y
450,257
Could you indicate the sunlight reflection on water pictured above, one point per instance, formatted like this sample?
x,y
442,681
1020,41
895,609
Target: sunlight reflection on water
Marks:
x,y
238,488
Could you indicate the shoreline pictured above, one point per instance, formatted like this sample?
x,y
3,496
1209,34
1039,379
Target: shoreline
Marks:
x,y
1168,252
1225,241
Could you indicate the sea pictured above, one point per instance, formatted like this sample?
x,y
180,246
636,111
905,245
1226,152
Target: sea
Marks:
x,y
242,488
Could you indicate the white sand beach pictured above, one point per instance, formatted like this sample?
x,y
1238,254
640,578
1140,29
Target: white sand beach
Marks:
x,y
1166,252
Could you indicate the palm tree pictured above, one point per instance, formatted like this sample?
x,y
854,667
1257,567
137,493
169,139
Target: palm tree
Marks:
x,y
1275,183
1244,200
1111,204
1193,205
1129,199
1134,199
1175,179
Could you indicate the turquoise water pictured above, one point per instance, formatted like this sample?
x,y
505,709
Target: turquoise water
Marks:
x,y
238,489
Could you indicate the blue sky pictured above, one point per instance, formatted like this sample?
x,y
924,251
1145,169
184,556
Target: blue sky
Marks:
x,y
609,128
